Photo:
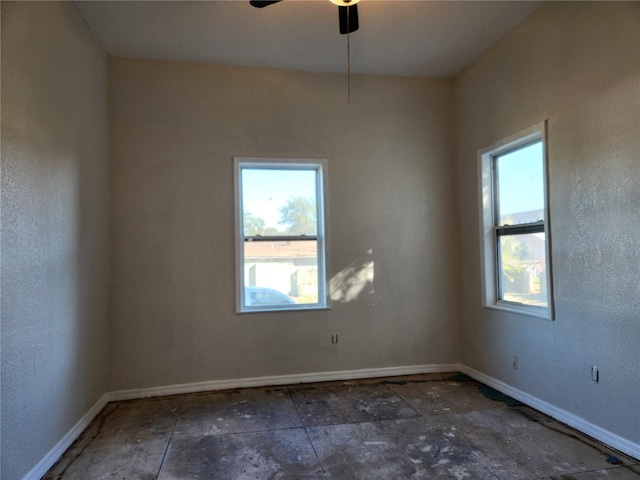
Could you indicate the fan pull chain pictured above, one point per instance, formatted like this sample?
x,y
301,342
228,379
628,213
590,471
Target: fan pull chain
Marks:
x,y
348,67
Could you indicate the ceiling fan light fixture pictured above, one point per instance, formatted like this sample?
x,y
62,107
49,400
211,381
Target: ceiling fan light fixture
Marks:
x,y
344,3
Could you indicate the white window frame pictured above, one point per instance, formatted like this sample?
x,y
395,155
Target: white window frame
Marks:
x,y
488,230
320,167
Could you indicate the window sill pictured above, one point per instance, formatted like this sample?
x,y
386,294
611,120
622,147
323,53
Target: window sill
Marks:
x,y
280,310
536,312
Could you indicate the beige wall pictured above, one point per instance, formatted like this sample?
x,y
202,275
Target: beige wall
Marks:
x,y
54,228
577,65
175,128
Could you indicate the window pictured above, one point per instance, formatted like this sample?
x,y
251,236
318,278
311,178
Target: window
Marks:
x,y
514,222
280,259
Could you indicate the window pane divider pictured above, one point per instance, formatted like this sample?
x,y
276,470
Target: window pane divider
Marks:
x,y
537,227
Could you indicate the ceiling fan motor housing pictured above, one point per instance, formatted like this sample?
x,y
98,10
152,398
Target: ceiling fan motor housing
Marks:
x,y
347,12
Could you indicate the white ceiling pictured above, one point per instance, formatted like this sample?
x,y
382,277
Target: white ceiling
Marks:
x,y
397,37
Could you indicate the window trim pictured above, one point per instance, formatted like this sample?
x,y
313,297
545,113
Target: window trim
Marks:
x,y
318,165
489,232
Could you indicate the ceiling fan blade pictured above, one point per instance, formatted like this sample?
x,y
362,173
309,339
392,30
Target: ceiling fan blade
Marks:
x,y
348,17
263,3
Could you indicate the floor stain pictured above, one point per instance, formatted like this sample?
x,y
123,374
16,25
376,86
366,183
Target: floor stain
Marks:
x,y
100,425
461,377
494,394
567,432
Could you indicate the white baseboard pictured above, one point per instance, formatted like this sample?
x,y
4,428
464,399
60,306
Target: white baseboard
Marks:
x,y
608,438
49,460
280,380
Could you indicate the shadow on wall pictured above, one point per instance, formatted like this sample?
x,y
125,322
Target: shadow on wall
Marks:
x,y
354,281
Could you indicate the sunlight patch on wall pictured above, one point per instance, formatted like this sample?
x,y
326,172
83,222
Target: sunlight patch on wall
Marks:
x,y
353,281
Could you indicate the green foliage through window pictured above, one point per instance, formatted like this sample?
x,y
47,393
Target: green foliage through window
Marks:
x,y
298,216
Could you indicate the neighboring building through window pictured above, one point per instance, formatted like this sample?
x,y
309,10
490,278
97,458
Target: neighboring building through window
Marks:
x,y
280,258
515,231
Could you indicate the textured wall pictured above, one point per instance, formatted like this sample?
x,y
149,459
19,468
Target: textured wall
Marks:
x,y
175,128
54,228
577,65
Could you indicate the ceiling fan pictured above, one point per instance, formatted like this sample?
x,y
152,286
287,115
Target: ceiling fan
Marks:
x,y
347,12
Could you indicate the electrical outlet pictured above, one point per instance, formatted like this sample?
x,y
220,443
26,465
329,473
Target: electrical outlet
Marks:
x,y
514,362
471,345
595,374
334,338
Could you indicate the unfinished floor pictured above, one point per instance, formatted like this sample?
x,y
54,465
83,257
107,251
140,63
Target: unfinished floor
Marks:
x,y
423,426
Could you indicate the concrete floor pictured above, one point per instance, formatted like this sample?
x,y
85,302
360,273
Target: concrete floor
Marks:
x,y
423,426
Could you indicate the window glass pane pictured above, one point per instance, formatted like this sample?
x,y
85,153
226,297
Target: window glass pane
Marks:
x,y
279,202
520,175
523,269
280,273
